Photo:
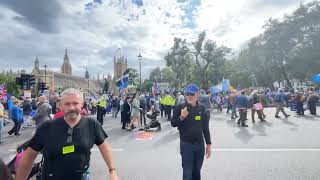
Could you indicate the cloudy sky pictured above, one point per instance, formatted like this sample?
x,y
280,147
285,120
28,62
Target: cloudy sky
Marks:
x,y
94,30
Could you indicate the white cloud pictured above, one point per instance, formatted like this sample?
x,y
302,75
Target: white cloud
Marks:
x,y
235,22
93,36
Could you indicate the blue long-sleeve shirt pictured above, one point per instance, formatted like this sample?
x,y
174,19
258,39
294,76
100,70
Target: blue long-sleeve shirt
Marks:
x,y
16,114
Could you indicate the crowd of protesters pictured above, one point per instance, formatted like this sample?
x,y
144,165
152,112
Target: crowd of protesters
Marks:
x,y
238,102
23,112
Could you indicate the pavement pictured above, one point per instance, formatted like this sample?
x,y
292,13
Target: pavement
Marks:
x,y
280,149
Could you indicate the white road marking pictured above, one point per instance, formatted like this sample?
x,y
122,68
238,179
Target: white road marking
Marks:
x,y
96,149
111,125
267,150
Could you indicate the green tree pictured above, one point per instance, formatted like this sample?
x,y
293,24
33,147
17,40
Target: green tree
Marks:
x,y
156,75
167,75
147,85
134,77
286,50
207,54
12,87
178,60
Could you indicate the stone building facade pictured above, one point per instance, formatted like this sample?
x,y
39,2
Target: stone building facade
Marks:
x,y
57,81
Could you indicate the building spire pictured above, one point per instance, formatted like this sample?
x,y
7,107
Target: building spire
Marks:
x,y
66,66
36,63
66,57
87,76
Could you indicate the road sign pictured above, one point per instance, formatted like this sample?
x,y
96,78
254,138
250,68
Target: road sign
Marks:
x,y
27,93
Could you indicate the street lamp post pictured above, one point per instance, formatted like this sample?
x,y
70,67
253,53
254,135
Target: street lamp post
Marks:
x,y
140,59
45,73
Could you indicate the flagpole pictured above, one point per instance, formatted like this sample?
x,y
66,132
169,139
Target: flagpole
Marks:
x,y
140,59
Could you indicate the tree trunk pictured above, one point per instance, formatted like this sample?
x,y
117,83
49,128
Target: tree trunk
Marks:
x,y
284,73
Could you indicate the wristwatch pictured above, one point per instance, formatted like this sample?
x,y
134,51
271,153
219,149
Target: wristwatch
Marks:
x,y
112,169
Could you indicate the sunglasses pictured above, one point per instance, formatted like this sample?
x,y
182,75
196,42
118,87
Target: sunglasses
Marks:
x,y
69,139
190,94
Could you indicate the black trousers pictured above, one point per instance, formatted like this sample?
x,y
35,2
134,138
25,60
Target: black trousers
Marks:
x,y
168,111
16,128
100,113
208,114
312,108
162,110
142,118
192,159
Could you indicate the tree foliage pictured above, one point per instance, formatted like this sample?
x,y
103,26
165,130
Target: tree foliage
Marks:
x,y
12,87
133,77
286,50
198,61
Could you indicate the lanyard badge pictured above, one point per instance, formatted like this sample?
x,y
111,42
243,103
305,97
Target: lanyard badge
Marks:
x,y
197,118
70,148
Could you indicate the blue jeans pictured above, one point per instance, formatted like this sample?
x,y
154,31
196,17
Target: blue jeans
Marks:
x,y
192,158
1,127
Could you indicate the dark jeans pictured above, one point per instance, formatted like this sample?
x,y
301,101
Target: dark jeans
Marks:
x,y
234,112
16,128
192,159
300,109
118,110
219,108
229,107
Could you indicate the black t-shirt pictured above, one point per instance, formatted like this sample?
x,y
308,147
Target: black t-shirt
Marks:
x,y
61,162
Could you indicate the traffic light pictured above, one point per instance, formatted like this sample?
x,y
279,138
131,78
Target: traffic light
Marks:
x,y
42,86
18,80
31,81
26,81
22,81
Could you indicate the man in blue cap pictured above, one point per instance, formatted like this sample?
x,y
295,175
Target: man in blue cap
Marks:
x,y
193,125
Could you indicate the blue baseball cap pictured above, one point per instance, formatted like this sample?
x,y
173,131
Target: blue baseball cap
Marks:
x,y
192,88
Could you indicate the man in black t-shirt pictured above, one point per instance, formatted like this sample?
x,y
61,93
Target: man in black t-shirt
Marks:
x,y
66,143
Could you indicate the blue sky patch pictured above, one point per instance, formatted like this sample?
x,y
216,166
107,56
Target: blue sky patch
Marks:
x,y
189,7
139,3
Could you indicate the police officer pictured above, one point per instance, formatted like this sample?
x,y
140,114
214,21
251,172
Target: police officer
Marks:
x,y
193,125
167,101
66,142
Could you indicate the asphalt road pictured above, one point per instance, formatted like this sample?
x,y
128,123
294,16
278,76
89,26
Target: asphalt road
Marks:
x,y
280,149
